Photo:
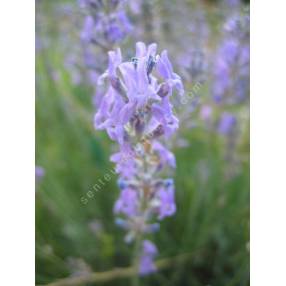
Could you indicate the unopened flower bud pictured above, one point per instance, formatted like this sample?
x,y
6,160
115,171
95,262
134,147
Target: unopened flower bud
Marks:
x,y
163,90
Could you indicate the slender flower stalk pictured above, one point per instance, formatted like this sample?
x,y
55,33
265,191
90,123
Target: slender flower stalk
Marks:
x,y
137,113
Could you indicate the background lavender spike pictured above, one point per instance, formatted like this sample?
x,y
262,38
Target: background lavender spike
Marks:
x,y
105,25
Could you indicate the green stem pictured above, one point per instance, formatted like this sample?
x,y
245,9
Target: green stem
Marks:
x,y
136,259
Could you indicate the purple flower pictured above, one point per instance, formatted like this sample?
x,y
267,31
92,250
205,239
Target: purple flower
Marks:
x,y
116,26
232,3
115,59
39,173
127,203
109,25
114,33
135,79
165,199
231,66
124,21
244,60
222,80
147,265
87,31
227,123
166,157
165,69
125,163
149,248
113,113
230,51
206,112
110,105
163,115
133,89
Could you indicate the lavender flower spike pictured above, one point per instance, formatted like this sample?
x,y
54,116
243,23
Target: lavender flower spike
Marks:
x,y
136,112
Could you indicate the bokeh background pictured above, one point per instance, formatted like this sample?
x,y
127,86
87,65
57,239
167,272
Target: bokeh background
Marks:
x,y
212,147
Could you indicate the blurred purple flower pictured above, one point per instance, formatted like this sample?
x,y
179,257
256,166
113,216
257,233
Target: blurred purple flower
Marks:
x,y
227,123
104,25
88,29
231,63
232,3
39,173
166,198
230,50
127,203
206,112
147,265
